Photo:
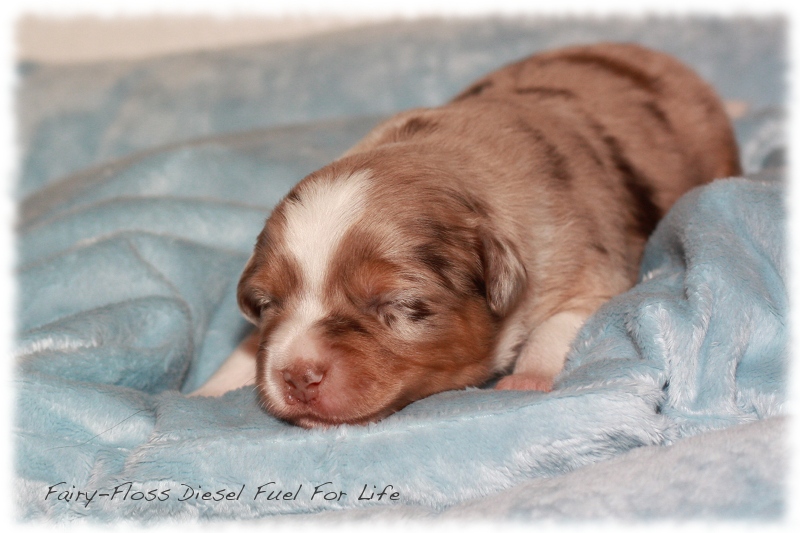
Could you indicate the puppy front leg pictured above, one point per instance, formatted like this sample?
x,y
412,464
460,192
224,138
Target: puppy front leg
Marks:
x,y
543,356
238,370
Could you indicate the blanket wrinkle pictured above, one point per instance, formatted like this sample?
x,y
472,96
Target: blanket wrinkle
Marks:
x,y
213,223
729,275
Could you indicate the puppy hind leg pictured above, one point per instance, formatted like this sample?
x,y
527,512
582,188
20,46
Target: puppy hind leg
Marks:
x,y
543,356
238,370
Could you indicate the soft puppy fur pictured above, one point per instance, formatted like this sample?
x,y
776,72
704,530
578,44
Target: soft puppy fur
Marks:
x,y
455,243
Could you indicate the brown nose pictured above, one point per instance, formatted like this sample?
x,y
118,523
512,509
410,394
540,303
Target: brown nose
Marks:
x,y
302,383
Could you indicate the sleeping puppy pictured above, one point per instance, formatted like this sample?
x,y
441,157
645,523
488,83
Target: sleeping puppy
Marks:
x,y
456,243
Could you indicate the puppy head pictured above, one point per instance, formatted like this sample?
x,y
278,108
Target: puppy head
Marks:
x,y
372,289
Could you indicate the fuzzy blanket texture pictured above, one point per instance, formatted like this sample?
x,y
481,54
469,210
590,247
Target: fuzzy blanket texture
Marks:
x,y
142,189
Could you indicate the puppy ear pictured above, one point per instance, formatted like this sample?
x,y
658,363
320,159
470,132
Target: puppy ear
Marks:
x,y
503,273
397,128
249,301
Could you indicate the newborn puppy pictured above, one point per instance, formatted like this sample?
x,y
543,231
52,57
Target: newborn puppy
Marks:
x,y
455,243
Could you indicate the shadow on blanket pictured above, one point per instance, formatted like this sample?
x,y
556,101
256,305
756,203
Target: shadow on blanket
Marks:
x,y
127,296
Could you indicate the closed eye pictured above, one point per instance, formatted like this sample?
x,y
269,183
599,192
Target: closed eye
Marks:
x,y
410,308
415,309
267,303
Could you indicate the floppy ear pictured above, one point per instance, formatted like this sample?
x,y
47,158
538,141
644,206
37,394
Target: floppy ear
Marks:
x,y
249,300
503,273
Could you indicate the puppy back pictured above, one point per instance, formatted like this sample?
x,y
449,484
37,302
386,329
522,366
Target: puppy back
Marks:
x,y
662,126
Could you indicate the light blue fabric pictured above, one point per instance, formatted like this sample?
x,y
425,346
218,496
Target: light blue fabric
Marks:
x,y
77,116
133,232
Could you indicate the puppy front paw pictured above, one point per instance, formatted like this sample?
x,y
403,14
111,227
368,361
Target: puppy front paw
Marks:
x,y
525,381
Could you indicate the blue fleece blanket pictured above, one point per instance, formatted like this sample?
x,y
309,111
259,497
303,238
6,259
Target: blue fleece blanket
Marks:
x,y
144,185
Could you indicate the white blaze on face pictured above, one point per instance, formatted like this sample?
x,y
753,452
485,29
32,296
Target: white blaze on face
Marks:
x,y
316,225
314,228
